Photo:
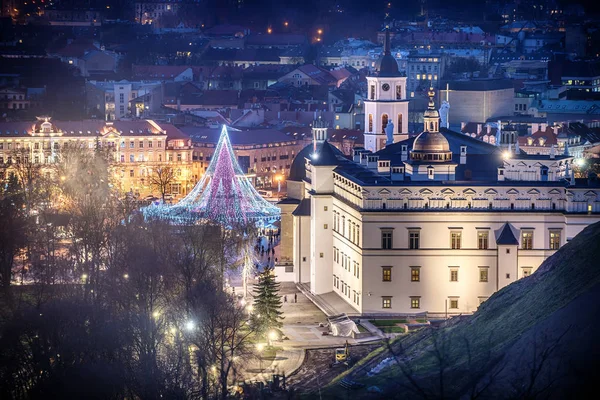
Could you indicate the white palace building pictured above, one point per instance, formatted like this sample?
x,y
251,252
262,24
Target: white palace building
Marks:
x,y
434,223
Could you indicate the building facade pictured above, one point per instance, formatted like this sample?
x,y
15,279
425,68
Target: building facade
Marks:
x,y
114,100
265,155
424,71
137,147
479,100
436,223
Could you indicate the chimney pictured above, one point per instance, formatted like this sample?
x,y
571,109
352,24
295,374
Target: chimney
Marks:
x,y
489,129
404,153
462,126
534,127
543,127
501,173
430,172
463,154
555,129
479,129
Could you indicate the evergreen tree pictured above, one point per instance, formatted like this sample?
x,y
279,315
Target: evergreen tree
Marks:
x,y
267,302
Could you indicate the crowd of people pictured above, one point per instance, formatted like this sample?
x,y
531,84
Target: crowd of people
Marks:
x,y
271,237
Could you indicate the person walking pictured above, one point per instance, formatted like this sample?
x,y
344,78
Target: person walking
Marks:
x,y
285,298
295,297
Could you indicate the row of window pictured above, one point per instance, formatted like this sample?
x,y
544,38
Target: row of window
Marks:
x,y
56,145
412,67
340,224
483,236
427,77
345,289
345,260
415,302
415,274
384,123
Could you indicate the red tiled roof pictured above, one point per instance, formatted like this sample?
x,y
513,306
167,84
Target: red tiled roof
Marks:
x,y
94,127
547,136
322,76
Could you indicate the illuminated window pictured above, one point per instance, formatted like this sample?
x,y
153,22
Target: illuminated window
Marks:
x,y
415,302
384,122
482,240
387,274
399,123
554,239
455,240
415,274
386,302
527,240
370,122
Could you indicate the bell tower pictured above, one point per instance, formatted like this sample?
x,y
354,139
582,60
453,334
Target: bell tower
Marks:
x,y
386,106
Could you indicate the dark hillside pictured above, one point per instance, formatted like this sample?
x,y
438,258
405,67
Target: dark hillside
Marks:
x,y
533,339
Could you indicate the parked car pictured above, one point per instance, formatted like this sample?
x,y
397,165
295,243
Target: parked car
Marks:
x,y
266,193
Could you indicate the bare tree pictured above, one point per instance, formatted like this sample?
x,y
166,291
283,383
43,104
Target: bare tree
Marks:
x,y
13,235
223,338
161,179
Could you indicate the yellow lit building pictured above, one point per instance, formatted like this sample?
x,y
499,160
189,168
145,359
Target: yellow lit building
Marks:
x,y
137,147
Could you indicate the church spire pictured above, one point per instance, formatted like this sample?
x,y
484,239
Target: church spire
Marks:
x,y
319,132
431,117
386,42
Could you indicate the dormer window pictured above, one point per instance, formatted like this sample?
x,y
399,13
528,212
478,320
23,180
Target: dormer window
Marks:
x,y
46,127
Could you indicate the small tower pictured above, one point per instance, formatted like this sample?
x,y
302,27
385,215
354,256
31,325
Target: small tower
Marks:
x,y
431,117
386,103
319,133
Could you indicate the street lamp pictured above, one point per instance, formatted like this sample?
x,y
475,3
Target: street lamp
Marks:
x,y
260,347
278,178
272,337
190,326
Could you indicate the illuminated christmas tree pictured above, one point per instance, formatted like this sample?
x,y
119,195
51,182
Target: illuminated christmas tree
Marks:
x,y
224,195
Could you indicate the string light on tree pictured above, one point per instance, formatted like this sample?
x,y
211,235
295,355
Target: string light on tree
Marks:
x,y
224,195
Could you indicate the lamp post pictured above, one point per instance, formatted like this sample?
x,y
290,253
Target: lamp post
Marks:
x,y
272,337
278,179
260,347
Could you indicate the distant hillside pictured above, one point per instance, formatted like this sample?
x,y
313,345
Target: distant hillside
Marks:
x,y
536,338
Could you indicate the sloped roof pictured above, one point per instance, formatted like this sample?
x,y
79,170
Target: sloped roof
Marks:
x,y
157,71
276,39
321,75
507,236
326,156
547,136
303,209
237,137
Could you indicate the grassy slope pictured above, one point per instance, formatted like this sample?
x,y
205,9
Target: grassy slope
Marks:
x,y
501,320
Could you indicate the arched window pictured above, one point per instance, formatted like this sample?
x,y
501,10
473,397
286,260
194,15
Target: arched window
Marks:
x,y
431,127
398,92
384,122
370,122
399,123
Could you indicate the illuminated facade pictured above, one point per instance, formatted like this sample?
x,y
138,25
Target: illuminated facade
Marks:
x,y
436,223
137,148
386,105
